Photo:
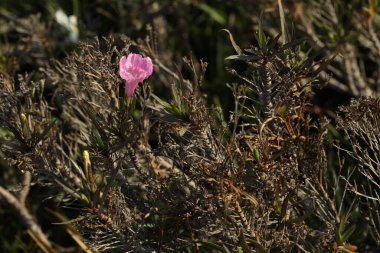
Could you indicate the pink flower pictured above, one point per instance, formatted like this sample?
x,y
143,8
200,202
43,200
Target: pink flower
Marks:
x,y
134,69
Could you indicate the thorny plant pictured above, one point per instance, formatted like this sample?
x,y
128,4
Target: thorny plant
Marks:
x,y
169,174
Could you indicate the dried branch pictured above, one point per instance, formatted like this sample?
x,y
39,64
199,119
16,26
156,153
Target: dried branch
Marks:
x,y
28,221
25,187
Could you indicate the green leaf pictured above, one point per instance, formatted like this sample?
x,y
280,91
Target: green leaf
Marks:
x,y
347,233
303,59
292,44
243,243
284,207
273,42
284,28
213,13
236,47
18,136
243,57
262,37
227,250
98,126
38,137
69,190
4,132
165,104
76,167
256,154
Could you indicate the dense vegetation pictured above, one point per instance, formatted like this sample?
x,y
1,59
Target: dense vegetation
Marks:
x,y
258,131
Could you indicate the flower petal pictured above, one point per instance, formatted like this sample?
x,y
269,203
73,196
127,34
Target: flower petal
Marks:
x,y
148,67
122,67
130,88
134,69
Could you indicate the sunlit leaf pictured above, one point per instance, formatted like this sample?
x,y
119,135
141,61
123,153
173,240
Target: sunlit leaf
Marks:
x,y
236,47
213,13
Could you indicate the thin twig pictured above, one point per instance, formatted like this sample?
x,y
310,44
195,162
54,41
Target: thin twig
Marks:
x,y
25,187
33,228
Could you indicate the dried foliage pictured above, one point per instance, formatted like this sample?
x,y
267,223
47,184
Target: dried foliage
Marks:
x,y
340,28
360,123
163,171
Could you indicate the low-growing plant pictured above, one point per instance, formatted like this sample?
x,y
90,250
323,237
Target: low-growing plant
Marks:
x,y
118,145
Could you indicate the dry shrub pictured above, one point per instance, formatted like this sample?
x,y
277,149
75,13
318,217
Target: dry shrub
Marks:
x,y
151,174
360,123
